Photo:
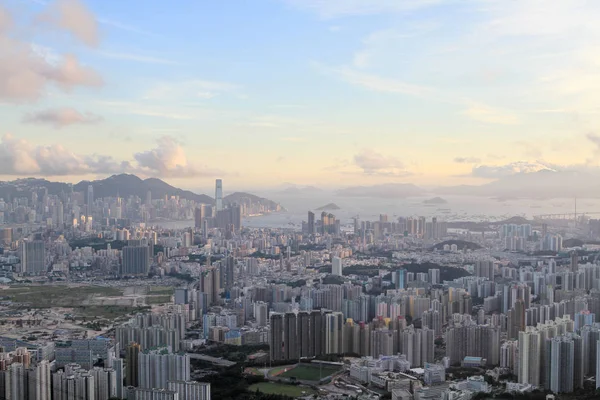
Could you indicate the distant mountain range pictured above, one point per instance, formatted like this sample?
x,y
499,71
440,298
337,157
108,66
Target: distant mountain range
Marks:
x,y
124,185
544,184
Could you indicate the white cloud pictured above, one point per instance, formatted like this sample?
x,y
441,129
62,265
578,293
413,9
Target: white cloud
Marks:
x,y
61,117
21,157
514,168
168,159
467,160
373,163
25,73
74,17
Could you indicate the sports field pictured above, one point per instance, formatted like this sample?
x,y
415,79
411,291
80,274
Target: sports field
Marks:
x,y
279,388
306,372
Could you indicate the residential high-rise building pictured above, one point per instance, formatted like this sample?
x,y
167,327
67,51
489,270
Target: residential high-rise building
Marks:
x,y
317,334
474,341
311,223
261,313
334,333
530,347
434,276
199,216
160,365
190,390
181,296
33,257
219,195
534,353
276,343
230,272
598,364
73,383
105,383
15,382
132,364
574,262
290,336
566,373
117,366
399,278
39,381
485,269
153,394
336,266
303,339
136,260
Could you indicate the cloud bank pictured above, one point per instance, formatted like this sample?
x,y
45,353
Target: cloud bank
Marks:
x,y
25,74
19,157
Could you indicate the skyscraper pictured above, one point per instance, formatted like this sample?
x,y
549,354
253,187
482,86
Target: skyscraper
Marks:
x,y
276,337
90,200
190,390
336,266
136,260
33,257
530,348
219,195
562,359
290,336
131,365
334,333
199,216
158,366
311,223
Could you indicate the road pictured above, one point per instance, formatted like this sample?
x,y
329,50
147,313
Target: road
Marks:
x,y
214,360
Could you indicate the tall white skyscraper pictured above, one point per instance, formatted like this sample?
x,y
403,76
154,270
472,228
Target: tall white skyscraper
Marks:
x,y
219,194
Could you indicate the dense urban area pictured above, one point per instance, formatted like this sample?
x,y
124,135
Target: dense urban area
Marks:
x,y
99,302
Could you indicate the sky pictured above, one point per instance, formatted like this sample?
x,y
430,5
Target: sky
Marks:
x,y
311,92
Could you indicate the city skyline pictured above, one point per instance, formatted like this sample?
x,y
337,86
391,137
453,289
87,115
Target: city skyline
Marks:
x,y
323,91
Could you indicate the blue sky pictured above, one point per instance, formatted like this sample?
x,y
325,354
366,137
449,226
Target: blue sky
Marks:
x,y
326,92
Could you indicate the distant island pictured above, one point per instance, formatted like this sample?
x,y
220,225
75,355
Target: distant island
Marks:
x,y
435,200
329,207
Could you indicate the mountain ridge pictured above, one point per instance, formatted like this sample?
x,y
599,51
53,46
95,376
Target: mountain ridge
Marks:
x,y
124,185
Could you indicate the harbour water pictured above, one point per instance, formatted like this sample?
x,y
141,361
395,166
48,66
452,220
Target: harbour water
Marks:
x,y
456,208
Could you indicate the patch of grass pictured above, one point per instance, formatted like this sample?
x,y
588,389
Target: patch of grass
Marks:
x,y
48,296
309,372
160,290
106,312
278,388
159,299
